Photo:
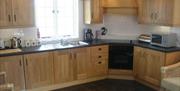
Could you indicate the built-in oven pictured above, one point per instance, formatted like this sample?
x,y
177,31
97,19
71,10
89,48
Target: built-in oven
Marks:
x,y
121,56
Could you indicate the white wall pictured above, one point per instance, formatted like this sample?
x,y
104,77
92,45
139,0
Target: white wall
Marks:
x,y
127,27
27,33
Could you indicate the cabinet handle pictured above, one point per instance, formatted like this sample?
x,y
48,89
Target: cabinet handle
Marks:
x,y
70,56
9,18
100,57
99,62
156,16
20,62
75,56
15,18
26,62
152,16
99,49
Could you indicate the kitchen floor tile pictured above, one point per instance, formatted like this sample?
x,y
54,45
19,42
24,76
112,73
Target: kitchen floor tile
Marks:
x,y
109,85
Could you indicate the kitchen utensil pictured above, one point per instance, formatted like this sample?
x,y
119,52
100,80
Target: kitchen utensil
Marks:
x,y
98,34
15,42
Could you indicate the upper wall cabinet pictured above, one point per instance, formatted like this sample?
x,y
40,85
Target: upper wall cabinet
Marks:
x,y
120,3
123,7
160,12
5,12
16,13
93,11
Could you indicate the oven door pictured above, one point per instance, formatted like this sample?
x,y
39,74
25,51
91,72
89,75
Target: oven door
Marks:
x,y
121,56
121,61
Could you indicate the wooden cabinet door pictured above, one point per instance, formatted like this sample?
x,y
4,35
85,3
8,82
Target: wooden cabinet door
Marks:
x,y
139,62
154,61
160,12
12,66
64,67
93,11
164,12
120,3
39,69
5,13
81,57
97,11
23,12
146,11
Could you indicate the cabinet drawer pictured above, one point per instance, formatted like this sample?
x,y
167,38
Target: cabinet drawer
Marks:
x,y
100,56
100,49
100,63
101,67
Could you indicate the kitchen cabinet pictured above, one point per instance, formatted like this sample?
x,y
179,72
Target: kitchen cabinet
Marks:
x,y
23,12
38,69
16,13
93,11
99,61
5,13
12,66
147,65
81,57
70,65
139,63
154,61
122,7
159,12
64,67
120,3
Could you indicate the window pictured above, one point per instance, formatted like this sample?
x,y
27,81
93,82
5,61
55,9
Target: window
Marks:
x,y
57,17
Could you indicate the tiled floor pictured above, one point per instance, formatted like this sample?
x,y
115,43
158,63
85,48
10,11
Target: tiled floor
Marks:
x,y
109,85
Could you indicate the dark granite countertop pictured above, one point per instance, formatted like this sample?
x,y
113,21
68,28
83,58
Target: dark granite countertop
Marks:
x,y
54,47
157,48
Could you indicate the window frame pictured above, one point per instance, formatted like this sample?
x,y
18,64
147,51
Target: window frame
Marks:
x,y
76,27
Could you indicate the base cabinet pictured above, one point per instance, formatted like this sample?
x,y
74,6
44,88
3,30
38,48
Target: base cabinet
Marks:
x,y
139,63
81,57
46,69
12,68
38,69
155,60
64,69
147,66
99,61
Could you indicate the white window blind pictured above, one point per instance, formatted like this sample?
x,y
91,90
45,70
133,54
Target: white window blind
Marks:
x,y
57,17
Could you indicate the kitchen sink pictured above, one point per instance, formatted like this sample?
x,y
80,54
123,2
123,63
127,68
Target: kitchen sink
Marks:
x,y
78,43
73,43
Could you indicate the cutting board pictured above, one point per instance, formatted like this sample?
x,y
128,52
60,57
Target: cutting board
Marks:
x,y
7,51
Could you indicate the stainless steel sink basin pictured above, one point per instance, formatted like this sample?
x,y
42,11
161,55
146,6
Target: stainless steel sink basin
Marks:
x,y
74,43
78,43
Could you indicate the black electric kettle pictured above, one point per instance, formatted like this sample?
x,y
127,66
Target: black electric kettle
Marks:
x,y
88,35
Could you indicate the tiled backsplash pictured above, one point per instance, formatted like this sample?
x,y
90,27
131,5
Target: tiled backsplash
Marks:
x,y
26,33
